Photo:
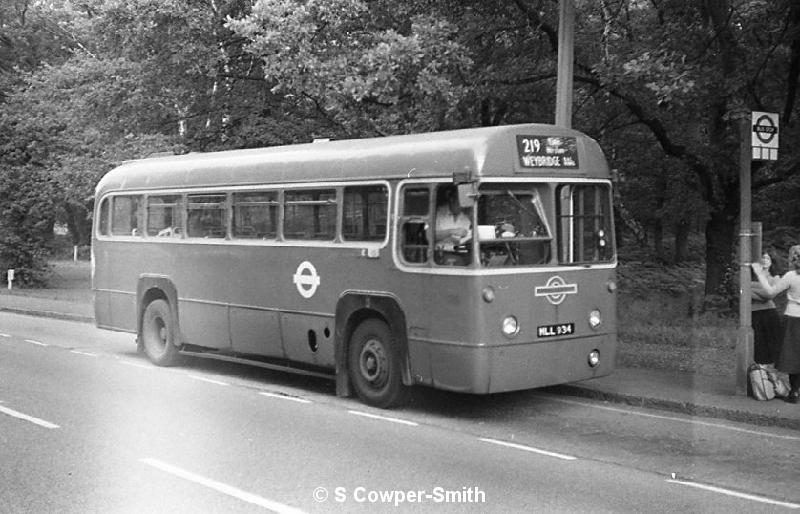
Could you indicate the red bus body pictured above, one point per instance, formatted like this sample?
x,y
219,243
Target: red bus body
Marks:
x,y
350,238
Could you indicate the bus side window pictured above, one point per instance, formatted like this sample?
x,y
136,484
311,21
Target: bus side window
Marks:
x,y
206,216
125,216
365,213
255,215
164,216
102,222
310,214
414,243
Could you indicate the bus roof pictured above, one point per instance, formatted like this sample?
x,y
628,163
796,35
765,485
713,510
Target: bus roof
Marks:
x,y
510,150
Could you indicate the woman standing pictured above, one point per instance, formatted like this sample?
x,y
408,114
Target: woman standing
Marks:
x,y
767,329
789,357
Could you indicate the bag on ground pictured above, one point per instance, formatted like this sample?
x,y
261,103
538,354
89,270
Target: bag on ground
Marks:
x,y
780,382
761,387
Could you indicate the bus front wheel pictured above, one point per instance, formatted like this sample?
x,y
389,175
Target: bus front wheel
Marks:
x,y
375,365
158,334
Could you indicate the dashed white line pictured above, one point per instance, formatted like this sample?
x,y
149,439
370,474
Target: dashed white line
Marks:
x,y
223,488
285,397
19,415
33,341
88,354
383,418
528,449
209,380
5,335
669,418
736,494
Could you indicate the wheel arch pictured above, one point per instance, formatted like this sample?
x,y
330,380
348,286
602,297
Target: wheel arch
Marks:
x,y
153,287
353,308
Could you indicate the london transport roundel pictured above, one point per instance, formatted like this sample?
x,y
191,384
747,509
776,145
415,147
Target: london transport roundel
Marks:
x,y
306,279
555,290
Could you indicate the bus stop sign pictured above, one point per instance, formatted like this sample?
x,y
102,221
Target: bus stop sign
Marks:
x,y
765,136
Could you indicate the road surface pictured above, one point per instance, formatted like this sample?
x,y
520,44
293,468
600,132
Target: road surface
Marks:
x,y
88,425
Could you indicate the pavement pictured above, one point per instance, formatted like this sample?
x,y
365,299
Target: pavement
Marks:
x,y
664,390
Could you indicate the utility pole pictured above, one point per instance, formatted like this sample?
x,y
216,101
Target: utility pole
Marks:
x,y
744,339
566,37
758,140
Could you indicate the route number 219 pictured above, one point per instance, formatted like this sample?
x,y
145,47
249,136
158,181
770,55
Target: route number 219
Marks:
x,y
531,145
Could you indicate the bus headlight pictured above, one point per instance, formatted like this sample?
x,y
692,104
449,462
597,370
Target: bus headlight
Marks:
x,y
594,319
510,326
594,358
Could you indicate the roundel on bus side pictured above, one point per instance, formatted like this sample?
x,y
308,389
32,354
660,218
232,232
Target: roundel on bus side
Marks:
x,y
306,279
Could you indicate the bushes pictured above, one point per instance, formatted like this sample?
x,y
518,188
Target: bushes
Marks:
x,y
26,222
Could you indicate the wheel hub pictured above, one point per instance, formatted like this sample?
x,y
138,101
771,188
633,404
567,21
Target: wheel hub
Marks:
x,y
372,361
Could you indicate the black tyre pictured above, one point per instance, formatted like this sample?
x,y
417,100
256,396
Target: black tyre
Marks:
x,y
374,362
158,334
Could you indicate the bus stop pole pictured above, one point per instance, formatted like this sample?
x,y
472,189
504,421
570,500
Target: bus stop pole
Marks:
x,y
744,340
566,35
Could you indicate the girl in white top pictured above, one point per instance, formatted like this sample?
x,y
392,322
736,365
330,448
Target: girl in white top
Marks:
x,y
789,358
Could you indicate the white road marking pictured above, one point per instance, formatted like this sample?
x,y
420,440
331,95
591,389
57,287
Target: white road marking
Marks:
x,y
36,342
136,364
36,421
285,397
737,494
529,449
5,335
670,418
88,354
384,418
223,488
209,380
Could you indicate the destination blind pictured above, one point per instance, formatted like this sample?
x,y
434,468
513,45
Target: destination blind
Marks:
x,y
547,152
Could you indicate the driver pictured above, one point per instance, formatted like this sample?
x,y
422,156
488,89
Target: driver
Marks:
x,y
453,225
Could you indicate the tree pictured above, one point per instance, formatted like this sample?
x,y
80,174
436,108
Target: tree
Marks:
x,y
132,78
681,69
74,121
371,69
656,83
27,227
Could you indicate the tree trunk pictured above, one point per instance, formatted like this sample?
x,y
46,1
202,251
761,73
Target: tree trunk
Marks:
x,y
682,230
78,224
720,239
658,239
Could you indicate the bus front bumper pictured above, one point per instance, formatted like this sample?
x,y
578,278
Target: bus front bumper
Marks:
x,y
495,368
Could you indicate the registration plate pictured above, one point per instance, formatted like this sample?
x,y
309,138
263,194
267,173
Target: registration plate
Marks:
x,y
559,329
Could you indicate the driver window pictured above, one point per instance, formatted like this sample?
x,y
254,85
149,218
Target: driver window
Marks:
x,y
453,232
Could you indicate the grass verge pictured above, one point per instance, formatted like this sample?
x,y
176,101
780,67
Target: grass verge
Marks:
x,y
660,326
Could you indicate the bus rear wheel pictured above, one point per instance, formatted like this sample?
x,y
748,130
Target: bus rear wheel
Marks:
x,y
374,363
158,334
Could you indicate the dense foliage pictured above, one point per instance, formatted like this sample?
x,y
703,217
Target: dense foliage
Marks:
x,y
658,83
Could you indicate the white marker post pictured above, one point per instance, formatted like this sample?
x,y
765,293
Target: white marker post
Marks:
x,y
10,278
